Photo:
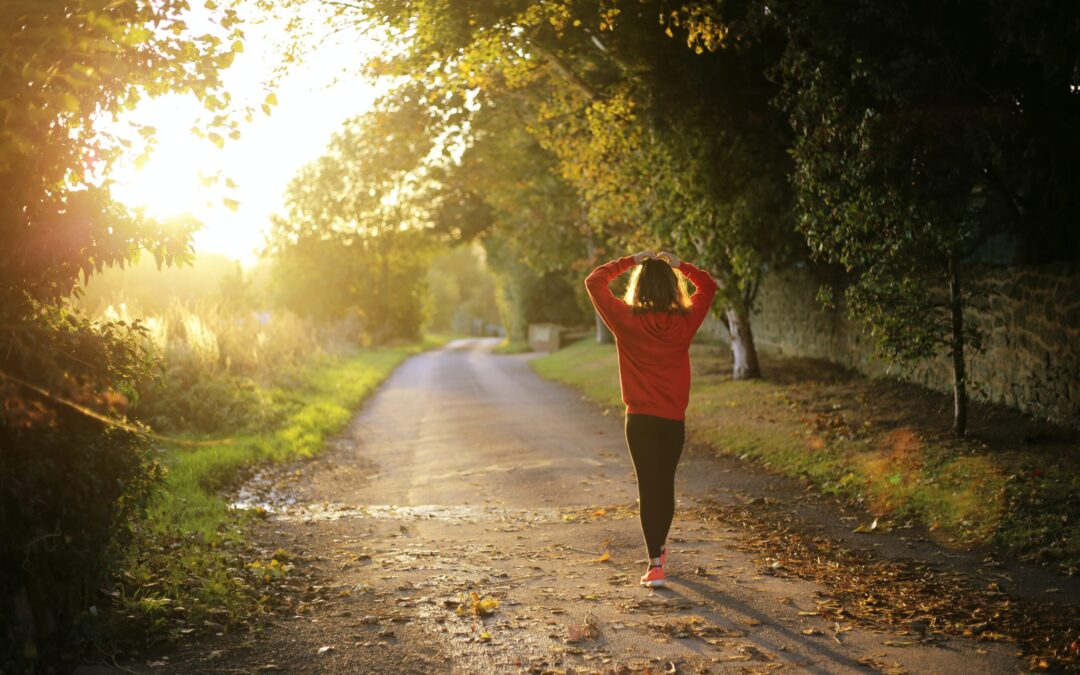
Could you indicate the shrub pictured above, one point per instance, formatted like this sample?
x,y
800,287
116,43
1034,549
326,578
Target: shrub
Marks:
x,y
70,483
214,358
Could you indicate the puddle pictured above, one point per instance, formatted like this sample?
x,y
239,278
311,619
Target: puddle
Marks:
x,y
288,510
256,495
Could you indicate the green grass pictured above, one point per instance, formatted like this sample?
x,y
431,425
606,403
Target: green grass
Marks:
x,y
190,565
326,400
843,434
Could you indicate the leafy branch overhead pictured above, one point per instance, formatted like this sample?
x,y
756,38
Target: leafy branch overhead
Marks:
x,y
643,139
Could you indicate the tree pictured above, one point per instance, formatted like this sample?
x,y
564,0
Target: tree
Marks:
x,y
901,177
656,141
74,473
688,150
352,240
64,65
506,191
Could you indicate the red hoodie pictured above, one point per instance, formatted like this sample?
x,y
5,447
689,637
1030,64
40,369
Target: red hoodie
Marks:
x,y
653,347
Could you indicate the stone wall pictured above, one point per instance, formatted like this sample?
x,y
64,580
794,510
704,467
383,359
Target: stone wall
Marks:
x,y
1031,337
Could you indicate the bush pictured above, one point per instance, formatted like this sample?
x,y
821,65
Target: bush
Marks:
x,y
215,357
67,499
70,484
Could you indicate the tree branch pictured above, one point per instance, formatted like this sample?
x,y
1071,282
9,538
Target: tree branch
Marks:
x,y
566,72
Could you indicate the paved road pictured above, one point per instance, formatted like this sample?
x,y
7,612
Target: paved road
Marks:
x,y
466,472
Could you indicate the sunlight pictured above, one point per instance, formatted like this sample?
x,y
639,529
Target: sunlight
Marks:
x,y
235,189
169,184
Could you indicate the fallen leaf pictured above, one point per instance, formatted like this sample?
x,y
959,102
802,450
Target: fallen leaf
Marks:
x,y
477,605
863,527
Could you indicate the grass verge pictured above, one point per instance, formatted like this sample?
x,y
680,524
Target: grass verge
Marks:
x,y
191,569
508,346
1013,483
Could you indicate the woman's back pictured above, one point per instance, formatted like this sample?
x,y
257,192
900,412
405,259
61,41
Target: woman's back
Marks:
x,y
653,344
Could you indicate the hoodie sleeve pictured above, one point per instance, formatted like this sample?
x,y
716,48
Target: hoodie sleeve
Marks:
x,y
701,300
611,309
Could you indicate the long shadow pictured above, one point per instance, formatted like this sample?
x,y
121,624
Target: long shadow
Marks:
x,y
822,650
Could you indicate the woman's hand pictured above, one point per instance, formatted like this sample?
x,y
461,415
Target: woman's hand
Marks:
x,y
669,258
642,256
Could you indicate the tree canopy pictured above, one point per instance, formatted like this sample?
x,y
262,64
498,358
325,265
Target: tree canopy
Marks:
x,y
352,240
649,140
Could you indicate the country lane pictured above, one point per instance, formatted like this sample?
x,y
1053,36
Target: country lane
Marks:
x,y
468,473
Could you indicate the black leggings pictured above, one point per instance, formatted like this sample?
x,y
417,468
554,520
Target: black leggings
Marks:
x,y
655,445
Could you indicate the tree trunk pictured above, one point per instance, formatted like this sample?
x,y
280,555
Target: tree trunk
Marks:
x,y
743,352
381,331
603,335
956,307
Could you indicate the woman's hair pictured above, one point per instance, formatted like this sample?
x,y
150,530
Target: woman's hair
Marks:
x,y
655,287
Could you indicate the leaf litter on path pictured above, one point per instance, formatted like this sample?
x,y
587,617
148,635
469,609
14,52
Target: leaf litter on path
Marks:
x,y
586,630
910,595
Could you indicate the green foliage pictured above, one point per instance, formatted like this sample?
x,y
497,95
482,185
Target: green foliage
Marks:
x,y
587,129
902,177
526,296
898,173
460,290
64,527
352,242
70,485
63,523
529,219
61,65
524,202
216,360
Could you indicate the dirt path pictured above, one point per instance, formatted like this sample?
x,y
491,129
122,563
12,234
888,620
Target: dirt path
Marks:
x,y
467,473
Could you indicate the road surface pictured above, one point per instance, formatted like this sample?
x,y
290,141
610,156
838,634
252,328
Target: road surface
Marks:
x,y
467,473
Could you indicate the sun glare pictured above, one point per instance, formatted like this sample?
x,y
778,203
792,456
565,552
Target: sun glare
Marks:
x,y
170,183
234,190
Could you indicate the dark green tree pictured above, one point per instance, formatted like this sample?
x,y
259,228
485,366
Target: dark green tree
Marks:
x,y
507,188
659,145
920,132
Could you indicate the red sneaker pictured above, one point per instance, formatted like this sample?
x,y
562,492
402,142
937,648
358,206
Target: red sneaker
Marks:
x,y
654,578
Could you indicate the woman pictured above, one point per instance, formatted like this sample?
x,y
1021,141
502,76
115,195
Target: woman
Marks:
x,y
653,328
